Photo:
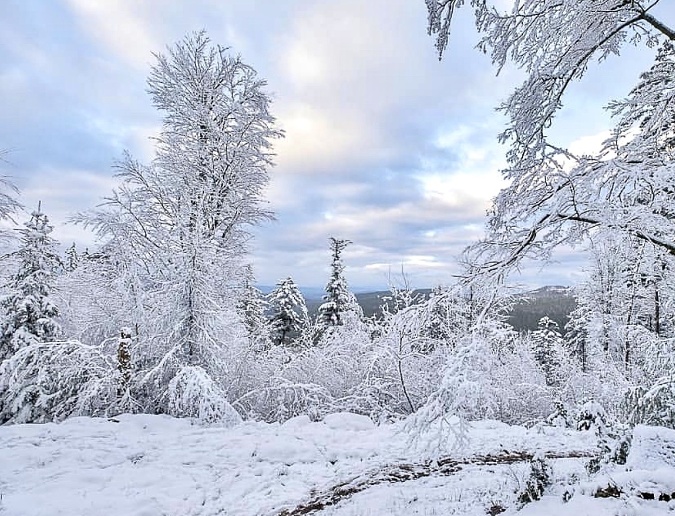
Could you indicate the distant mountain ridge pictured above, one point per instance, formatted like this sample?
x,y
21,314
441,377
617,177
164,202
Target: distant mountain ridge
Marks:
x,y
552,301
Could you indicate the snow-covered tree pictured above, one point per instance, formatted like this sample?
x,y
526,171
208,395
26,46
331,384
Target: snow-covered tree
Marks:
x,y
467,390
252,308
548,348
50,381
124,364
8,209
177,229
338,299
99,297
554,197
620,197
401,295
289,311
449,315
28,311
625,301
403,360
72,258
577,337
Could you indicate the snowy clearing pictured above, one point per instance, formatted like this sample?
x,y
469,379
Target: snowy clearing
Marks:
x,y
145,465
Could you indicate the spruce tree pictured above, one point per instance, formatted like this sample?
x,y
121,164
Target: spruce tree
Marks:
x,y
28,311
337,299
72,258
547,346
289,311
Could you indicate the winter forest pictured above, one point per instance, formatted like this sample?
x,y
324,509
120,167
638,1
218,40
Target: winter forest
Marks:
x,y
163,318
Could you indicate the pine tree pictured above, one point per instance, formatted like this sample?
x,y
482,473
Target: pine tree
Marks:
x,y
337,299
537,481
29,313
289,311
576,337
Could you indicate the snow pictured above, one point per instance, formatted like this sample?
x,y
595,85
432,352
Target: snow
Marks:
x,y
654,448
649,471
144,465
349,422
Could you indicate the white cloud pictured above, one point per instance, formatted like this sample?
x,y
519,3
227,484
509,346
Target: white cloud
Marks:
x,y
315,140
589,145
121,27
303,65
474,179
347,71
467,192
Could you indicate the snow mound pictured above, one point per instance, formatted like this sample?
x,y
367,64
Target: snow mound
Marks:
x,y
646,483
297,422
348,421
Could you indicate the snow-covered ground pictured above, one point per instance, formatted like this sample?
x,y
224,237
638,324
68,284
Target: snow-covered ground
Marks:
x,y
145,465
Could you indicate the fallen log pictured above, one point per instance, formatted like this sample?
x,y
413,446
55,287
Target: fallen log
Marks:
x,y
404,472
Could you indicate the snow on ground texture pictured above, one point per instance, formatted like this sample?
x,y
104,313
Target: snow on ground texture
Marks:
x,y
141,465
653,448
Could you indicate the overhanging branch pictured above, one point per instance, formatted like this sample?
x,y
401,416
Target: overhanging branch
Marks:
x,y
522,247
658,25
658,242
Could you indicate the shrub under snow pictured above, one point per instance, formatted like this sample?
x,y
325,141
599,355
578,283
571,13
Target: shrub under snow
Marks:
x,y
193,393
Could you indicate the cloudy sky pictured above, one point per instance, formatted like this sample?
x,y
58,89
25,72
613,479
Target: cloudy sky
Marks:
x,y
385,145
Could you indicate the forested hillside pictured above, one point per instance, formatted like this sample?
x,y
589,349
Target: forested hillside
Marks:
x,y
556,303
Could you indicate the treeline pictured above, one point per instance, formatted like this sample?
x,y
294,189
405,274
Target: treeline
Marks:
x,y
72,346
